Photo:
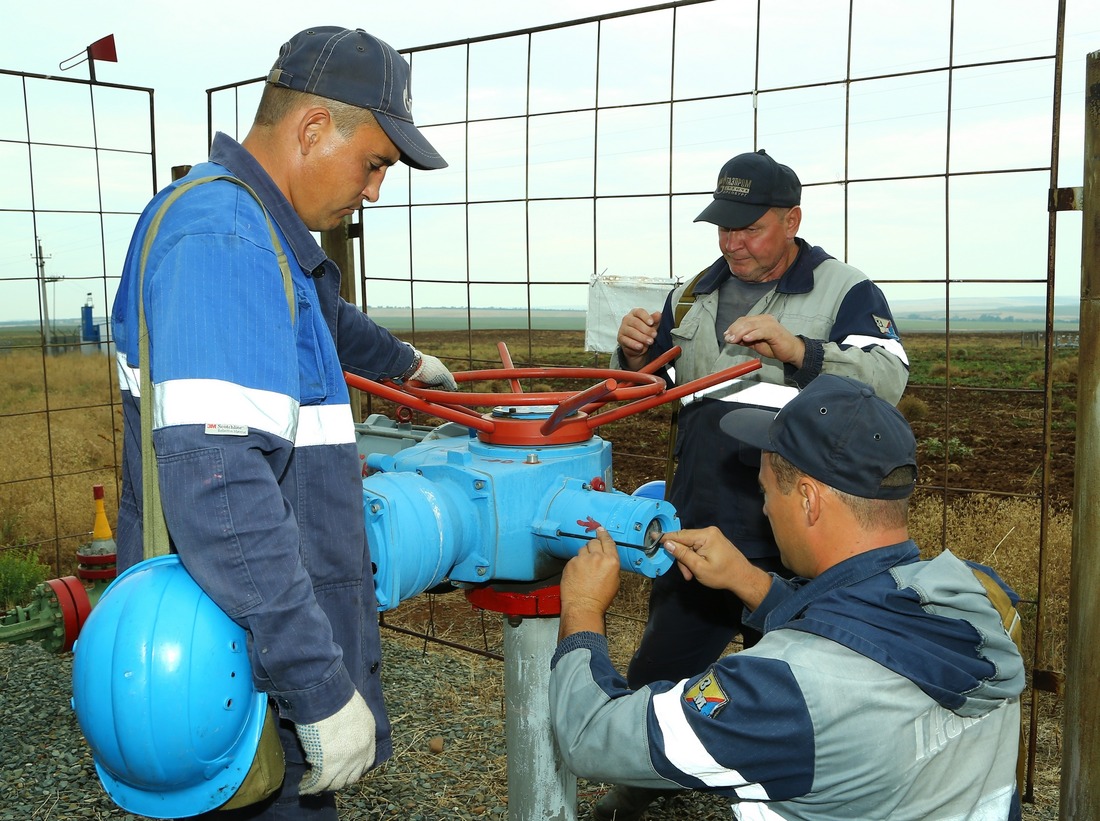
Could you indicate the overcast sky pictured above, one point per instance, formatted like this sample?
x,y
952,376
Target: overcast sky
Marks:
x,y
1000,118
182,49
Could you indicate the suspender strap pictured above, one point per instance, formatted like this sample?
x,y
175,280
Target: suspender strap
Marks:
x,y
683,304
1010,619
686,300
156,541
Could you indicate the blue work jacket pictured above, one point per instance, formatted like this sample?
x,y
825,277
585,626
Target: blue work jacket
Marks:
x,y
259,471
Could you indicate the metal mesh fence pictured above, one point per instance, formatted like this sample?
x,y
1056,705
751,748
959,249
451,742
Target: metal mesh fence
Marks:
x,y
928,138
77,165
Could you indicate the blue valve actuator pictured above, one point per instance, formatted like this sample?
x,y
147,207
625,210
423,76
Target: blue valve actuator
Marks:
x,y
460,510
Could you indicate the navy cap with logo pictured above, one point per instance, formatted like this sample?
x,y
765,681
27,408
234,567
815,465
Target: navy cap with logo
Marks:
x,y
357,68
748,185
838,431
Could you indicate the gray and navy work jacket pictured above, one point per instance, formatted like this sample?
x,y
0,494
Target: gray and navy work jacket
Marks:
x,y
259,471
848,329
887,687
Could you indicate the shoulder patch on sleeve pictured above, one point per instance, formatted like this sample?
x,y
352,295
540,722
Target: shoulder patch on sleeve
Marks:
x,y
885,326
706,695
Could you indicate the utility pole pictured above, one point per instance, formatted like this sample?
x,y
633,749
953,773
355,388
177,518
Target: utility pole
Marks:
x,y
40,262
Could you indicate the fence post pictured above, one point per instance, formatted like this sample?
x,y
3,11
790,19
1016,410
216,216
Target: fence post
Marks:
x,y
337,245
1080,787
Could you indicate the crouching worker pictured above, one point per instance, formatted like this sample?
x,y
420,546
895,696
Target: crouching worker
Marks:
x,y
884,686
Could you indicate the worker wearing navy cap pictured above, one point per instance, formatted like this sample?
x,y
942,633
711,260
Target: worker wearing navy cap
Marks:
x,y
884,686
253,431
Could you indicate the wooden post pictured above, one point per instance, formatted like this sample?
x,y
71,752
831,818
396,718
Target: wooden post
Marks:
x,y
1080,788
338,246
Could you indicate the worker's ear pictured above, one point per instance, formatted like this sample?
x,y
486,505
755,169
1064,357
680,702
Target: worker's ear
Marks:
x,y
314,125
809,492
792,220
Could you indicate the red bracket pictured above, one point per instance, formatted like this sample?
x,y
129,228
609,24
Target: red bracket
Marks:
x,y
520,601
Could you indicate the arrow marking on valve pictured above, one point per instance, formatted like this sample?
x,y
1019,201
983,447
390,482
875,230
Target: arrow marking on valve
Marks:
x,y
588,524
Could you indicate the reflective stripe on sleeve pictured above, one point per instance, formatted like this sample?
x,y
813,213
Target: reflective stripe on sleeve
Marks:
x,y
686,752
893,346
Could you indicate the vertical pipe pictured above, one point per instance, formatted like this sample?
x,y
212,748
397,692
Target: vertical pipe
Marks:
x,y
1080,789
540,788
946,464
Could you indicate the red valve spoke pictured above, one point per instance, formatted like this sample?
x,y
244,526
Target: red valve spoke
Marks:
x,y
704,382
638,385
674,393
574,404
661,360
404,398
506,360
651,367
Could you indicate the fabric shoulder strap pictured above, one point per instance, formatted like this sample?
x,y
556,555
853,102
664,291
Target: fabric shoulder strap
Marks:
x,y
686,300
1010,620
155,532
683,304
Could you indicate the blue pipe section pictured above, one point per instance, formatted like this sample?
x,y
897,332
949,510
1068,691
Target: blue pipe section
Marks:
x,y
457,509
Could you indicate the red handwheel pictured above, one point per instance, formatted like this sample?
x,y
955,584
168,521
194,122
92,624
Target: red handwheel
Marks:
x,y
551,417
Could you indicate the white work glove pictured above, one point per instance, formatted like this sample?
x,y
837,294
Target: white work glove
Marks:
x,y
339,749
433,372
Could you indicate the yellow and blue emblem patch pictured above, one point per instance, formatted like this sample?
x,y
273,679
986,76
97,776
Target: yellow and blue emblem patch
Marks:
x,y
706,695
885,327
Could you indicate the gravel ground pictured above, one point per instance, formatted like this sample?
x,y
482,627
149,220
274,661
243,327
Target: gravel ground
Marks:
x,y
449,762
437,697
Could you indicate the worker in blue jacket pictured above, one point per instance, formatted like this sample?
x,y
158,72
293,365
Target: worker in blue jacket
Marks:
x,y
884,685
253,430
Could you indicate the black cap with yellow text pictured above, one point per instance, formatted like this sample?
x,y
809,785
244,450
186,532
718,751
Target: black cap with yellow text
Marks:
x,y
748,185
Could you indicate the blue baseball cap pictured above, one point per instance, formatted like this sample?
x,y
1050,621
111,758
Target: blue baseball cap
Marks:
x,y
357,68
838,431
748,185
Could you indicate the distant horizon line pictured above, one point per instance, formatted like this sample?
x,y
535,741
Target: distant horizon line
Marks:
x,y
900,307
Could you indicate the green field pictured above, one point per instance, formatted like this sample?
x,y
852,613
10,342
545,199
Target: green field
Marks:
x,y
401,320
481,319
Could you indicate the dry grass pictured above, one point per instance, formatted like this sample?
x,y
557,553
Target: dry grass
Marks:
x,y
59,432
443,748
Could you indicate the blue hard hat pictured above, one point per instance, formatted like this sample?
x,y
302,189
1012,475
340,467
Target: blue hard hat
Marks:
x,y
163,692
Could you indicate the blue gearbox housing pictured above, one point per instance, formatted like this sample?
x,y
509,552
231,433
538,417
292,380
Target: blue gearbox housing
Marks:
x,y
456,509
